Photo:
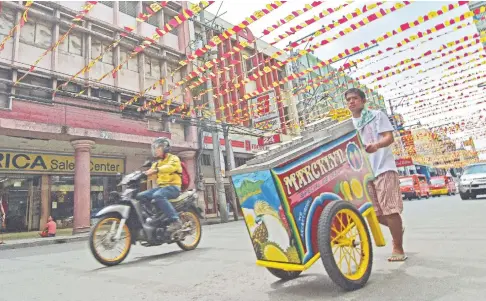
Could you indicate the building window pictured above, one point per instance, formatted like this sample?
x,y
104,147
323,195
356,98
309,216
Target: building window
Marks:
x,y
62,196
6,22
131,64
152,67
154,20
39,83
73,43
240,161
102,94
38,33
97,47
107,3
71,87
4,89
206,160
128,7
132,112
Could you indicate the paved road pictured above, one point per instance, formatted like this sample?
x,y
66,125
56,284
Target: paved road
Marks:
x,y
445,239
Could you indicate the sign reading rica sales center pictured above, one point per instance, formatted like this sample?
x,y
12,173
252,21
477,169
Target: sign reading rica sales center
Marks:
x,y
19,161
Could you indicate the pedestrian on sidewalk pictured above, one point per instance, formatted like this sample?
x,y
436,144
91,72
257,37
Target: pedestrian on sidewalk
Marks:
x,y
2,221
376,132
50,229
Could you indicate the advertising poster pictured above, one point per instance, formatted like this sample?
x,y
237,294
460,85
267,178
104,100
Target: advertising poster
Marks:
x,y
338,170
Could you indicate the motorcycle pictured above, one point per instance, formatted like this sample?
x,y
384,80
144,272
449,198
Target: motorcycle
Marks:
x,y
123,224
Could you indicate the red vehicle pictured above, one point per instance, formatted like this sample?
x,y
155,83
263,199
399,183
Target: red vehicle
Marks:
x,y
442,185
414,187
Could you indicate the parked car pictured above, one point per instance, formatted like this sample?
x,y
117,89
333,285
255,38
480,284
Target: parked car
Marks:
x,y
442,185
414,187
473,181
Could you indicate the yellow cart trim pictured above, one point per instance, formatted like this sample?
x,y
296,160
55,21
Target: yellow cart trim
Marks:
x,y
288,266
375,228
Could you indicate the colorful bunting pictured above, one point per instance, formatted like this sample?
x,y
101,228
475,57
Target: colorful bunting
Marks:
x,y
152,9
17,27
78,18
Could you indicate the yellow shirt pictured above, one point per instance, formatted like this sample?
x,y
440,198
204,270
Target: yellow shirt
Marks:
x,y
169,171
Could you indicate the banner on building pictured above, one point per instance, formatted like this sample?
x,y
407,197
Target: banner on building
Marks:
x,y
269,140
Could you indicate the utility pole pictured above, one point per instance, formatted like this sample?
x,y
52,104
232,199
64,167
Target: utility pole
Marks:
x,y
223,211
230,161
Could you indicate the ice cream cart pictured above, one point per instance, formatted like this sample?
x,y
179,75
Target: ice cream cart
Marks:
x,y
307,199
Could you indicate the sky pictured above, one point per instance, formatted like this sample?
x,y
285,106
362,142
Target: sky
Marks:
x,y
235,11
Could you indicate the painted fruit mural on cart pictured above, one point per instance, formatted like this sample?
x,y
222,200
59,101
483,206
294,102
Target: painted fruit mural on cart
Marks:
x,y
265,218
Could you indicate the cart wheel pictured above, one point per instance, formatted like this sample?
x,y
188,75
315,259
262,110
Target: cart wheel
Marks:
x,y
345,245
284,275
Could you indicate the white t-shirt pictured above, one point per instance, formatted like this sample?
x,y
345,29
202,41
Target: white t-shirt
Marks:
x,y
383,160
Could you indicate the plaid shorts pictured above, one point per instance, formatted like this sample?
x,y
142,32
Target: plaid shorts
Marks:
x,y
385,194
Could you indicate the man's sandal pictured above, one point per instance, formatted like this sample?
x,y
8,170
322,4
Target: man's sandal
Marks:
x,y
397,258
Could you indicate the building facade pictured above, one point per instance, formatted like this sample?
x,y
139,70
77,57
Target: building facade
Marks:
x,y
255,122
329,94
60,155
479,19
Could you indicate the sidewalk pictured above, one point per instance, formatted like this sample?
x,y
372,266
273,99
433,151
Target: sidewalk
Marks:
x,y
32,239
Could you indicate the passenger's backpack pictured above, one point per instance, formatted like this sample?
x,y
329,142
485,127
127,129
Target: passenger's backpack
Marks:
x,y
186,179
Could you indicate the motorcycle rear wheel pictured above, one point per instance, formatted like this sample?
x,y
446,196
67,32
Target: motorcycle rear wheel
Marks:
x,y
113,221
189,244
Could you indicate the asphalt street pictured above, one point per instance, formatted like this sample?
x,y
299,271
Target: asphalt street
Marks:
x,y
445,240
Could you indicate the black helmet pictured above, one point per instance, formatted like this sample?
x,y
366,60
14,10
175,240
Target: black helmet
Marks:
x,y
161,142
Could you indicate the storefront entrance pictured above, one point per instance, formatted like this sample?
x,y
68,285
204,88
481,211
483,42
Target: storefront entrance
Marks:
x,y
21,199
34,186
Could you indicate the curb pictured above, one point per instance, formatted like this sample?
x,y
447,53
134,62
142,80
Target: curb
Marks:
x,y
77,238
39,243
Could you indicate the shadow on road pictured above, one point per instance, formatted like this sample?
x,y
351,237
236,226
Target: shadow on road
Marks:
x,y
307,285
145,259
430,279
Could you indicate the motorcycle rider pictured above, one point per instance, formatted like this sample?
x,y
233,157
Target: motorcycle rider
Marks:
x,y
168,170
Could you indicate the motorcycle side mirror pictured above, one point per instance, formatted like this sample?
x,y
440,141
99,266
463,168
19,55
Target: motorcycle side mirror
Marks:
x,y
147,163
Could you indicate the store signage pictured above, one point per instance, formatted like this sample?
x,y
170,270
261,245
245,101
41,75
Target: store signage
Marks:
x,y
265,115
20,161
403,162
268,140
239,143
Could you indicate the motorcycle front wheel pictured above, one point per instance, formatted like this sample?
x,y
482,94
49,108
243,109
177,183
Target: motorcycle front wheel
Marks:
x,y
191,222
102,244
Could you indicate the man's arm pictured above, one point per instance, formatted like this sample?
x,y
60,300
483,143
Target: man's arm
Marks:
x,y
172,166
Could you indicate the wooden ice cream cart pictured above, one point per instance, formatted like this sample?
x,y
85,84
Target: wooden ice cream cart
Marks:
x,y
307,199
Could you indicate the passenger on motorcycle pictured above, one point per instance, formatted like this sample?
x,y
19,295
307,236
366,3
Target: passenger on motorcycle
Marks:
x,y
168,169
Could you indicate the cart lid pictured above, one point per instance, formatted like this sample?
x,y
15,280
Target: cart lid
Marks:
x,y
314,135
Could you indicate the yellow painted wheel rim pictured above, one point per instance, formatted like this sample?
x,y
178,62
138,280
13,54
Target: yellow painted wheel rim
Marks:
x,y
350,244
193,237
106,228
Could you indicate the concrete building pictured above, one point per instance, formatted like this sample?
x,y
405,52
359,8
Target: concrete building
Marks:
x,y
330,93
258,117
479,19
60,155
